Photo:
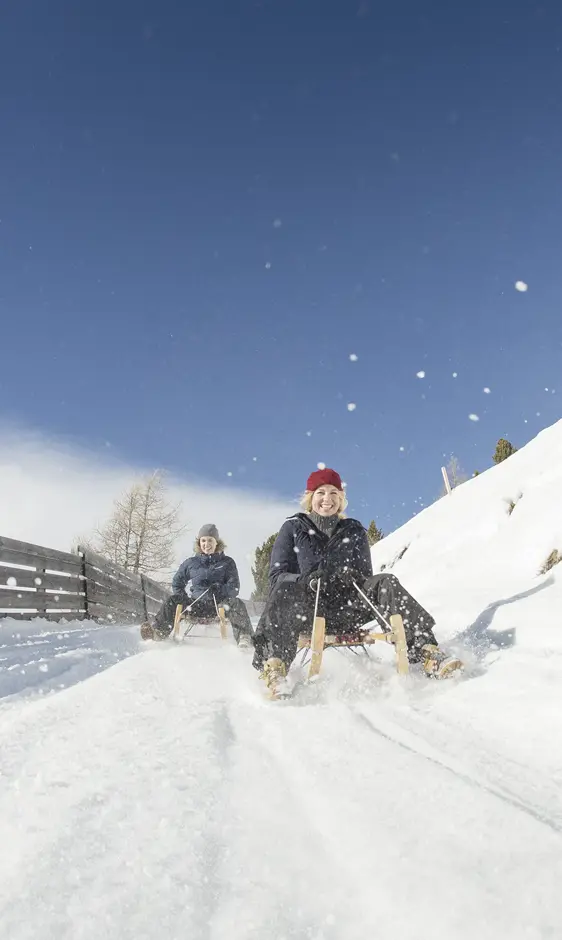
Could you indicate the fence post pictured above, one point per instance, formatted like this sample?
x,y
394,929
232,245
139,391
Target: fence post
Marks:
x,y
446,480
143,588
81,552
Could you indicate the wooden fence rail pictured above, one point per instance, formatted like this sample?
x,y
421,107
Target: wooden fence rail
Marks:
x,y
42,582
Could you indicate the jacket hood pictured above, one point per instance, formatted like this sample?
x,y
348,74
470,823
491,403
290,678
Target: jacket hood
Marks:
x,y
218,551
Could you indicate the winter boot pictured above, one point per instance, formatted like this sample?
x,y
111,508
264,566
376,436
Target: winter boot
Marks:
x,y
147,631
245,642
274,675
437,664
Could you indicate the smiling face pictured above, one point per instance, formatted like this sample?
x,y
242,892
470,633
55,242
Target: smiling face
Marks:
x,y
326,500
207,544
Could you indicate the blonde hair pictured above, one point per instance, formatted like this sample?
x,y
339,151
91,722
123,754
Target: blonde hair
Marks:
x,y
306,502
220,547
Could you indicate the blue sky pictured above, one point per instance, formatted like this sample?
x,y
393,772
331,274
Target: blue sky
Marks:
x,y
207,207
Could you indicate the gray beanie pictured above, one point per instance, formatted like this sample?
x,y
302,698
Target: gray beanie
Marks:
x,y
210,530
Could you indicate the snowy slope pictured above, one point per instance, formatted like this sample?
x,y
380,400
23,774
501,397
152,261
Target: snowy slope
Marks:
x,y
163,797
475,565
467,557
158,795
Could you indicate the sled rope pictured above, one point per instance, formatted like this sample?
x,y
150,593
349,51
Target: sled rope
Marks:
x,y
370,603
317,638
193,603
318,584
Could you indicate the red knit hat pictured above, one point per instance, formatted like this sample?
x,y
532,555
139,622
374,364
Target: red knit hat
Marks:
x,y
324,477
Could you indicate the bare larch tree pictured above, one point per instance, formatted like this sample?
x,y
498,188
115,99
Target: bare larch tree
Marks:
x,y
142,531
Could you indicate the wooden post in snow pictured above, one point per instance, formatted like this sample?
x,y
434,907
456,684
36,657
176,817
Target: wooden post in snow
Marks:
x,y
446,480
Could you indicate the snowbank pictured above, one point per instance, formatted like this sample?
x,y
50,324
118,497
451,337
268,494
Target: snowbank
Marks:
x,y
473,558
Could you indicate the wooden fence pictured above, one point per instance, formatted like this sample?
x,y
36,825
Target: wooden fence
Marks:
x,y
42,582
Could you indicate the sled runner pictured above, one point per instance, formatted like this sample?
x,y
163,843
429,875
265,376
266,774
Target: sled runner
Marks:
x,y
190,618
275,670
319,640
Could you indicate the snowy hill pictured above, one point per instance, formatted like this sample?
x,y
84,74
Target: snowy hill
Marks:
x,y
474,557
149,790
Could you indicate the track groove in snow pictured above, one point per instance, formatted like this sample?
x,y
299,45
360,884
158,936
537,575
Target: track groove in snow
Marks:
x,y
441,761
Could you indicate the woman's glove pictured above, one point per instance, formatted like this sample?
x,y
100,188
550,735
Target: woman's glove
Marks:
x,y
312,579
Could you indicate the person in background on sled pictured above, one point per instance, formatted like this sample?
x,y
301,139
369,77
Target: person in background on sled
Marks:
x,y
320,550
207,580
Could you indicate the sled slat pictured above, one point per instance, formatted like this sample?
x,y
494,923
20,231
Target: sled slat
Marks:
x,y
177,621
317,646
319,636
333,640
402,663
222,622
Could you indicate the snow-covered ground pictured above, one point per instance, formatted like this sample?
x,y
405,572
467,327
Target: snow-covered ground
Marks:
x,y
149,790
40,658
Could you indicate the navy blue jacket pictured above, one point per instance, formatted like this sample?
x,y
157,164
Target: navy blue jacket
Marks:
x,y
217,572
301,548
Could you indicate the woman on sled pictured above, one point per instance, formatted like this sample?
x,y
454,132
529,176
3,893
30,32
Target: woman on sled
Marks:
x,y
319,546
204,582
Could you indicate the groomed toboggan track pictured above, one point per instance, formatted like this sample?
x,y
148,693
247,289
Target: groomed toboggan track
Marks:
x,y
165,796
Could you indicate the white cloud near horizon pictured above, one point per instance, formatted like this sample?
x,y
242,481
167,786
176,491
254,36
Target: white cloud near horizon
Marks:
x,y
52,492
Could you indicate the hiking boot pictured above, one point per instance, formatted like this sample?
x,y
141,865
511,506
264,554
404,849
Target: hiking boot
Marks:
x,y
245,642
437,664
275,677
147,631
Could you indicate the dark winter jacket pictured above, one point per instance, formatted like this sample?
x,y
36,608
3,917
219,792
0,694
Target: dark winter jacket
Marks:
x,y
301,548
217,572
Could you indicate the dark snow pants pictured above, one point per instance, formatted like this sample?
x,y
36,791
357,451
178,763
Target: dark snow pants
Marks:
x,y
290,611
234,608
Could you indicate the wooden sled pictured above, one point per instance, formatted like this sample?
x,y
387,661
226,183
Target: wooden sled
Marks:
x,y
319,640
191,618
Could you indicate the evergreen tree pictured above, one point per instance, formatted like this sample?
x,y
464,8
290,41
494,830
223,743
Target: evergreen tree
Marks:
x,y
374,534
504,449
261,570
